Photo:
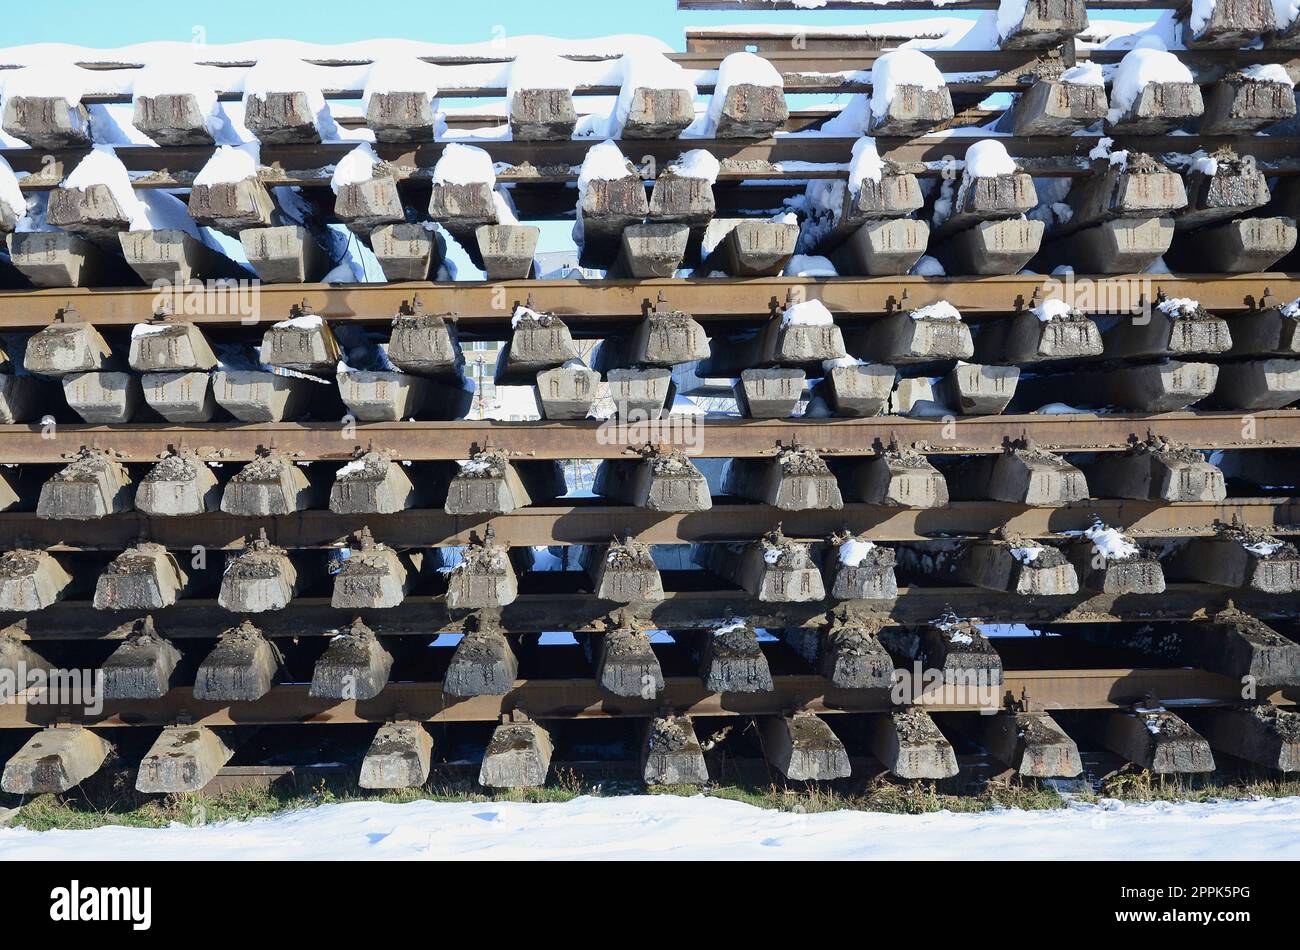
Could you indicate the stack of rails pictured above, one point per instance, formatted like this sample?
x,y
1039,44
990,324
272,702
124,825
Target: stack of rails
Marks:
x,y
253,503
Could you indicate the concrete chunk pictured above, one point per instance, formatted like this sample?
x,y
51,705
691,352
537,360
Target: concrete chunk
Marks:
x,y
91,213
269,485
803,748
92,485
163,346
489,483
284,254
652,249
31,580
1045,23
858,390
1242,246
366,205
1029,476
355,665
626,665
60,259
180,397
1121,246
519,756
172,118
913,110
103,398
670,754
1171,328
373,576
1157,470
658,113
400,116
1032,744
178,485
748,247
731,661
914,336
1027,338
406,251
956,649
858,569
901,478
1238,105
773,568
260,578
751,111
542,115
233,207
681,199
883,248
910,745
182,759
1112,573
1222,189
143,666
144,577
1017,567
1052,107
540,341
974,389
241,667
484,578
382,395
174,256
769,393
667,337
67,347
797,479
372,483
663,481
483,665
399,756
507,249
54,760
424,343
623,572
1239,646
253,395
1242,558
992,247
567,392
1257,384
1154,387
1159,741
304,343
47,122
282,118
1228,24
1157,108
608,206
1262,734
847,653
461,208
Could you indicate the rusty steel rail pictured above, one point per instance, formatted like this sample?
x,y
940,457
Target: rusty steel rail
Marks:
x,y
583,699
590,439
423,615
558,161
588,305
597,523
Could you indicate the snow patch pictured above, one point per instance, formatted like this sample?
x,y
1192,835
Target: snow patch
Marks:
x,y
464,165
809,313
356,167
988,158
853,552
1149,62
898,68
230,164
940,310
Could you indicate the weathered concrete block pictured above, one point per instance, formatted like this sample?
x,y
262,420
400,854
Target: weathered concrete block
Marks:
x,y
1239,646
406,251
180,397
671,755
284,254
1242,558
366,205
540,341
681,199
355,665
1052,107
652,249
382,395
1018,568
731,661
261,578
1262,734
913,110
542,115
461,208
567,392
1138,188
1154,387
901,478
304,343
399,757
858,390
483,665
92,485
1039,335
751,111
1045,23
623,572
797,479
91,213
397,116
47,122
1220,189
974,389
607,207
267,486
233,207
1030,476
1242,246
16,657
253,395
180,484
1120,246
144,577
626,665
168,347
992,247
859,569
54,760
1257,384
1269,331
883,248
490,484
662,481
1228,24
915,336
910,745
667,337
103,398
1106,561
956,649
372,484
174,256
59,259
182,759
769,393
658,113
172,119
66,347
803,748
373,576
507,249
790,341
1157,470
241,667
143,667
847,653
31,580
773,569
1032,744
1171,328
519,756
1157,740
1238,105
484,578
282,118
748,247
1157,108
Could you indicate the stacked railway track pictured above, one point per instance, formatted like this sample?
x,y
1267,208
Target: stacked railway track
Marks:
x,y
828,401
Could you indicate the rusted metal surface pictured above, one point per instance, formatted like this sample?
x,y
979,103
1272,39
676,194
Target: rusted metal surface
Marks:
x,y
715,438
597,523
583,699
422,615
595,304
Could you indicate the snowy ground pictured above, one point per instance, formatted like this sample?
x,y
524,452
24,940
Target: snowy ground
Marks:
x,y
666,827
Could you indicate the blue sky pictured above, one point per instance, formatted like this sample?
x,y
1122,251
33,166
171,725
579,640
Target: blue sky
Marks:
x,y
108,23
